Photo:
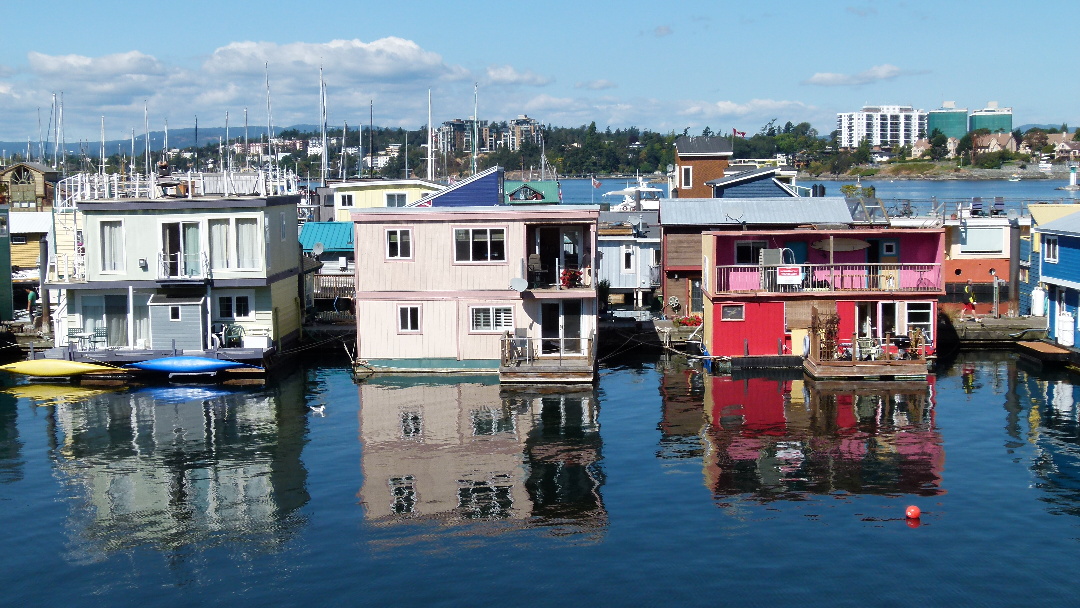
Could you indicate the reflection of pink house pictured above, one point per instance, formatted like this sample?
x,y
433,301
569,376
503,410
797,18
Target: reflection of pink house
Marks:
x,y
763,288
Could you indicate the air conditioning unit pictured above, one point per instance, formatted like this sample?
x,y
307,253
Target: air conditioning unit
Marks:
x,y
342,263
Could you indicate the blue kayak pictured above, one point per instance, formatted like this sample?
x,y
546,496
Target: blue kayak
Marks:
x,y
186,365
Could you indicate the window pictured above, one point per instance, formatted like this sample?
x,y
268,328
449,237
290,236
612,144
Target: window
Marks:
x,y
628,258
346,200
479,245
888,248
234,307
112,246
395,199
284,225
491,318
687,174
1050,249
982,240
748,252
732,312
412,425
247,243
919,315
219,244
18,239
491,421
174,313
408,319
399,244
696,303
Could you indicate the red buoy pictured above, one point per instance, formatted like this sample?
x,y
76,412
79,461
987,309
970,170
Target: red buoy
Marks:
x,y
913,512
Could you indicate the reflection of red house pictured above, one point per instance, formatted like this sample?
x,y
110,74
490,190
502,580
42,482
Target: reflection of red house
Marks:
x,y
762,287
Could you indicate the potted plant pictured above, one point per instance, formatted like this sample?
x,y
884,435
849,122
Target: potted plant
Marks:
x,y
570,278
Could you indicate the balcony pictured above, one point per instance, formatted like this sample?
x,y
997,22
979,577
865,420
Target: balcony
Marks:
x,y
193,267
904,278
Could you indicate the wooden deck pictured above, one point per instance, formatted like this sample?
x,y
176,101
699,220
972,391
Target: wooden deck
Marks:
x,y
547,361
893,369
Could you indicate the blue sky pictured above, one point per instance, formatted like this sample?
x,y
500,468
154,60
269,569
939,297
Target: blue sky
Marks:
x,y
655,65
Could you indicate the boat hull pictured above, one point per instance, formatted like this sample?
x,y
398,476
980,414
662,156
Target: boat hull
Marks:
x,y
186,365
54,368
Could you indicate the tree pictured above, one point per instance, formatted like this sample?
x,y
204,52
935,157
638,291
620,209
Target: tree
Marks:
x,y
939,145
706,132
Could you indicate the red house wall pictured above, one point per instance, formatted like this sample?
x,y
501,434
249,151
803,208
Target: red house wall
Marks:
x,y
763,323
846,310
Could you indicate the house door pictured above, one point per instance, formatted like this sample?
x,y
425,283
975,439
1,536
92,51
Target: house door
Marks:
x,y
866,319
560,327
180,248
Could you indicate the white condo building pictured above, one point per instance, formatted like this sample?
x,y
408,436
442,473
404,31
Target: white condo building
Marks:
x,y
881,125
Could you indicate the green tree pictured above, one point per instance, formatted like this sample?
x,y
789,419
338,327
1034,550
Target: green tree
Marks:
x,y
939,145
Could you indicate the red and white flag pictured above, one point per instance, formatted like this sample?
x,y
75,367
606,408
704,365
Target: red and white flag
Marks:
x,y
738,133
595,182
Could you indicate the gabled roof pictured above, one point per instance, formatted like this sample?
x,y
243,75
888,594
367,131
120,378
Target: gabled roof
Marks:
x,y
547,189
481,189
38,167
1070,225
336,237
754,211
746,177
712,145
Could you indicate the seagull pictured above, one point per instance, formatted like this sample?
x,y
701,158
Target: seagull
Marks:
x,y
317,409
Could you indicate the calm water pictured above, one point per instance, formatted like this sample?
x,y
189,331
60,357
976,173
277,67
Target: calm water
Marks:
x,y
662,486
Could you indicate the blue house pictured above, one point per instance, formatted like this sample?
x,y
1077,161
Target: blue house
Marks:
x,y
770,182
1060,272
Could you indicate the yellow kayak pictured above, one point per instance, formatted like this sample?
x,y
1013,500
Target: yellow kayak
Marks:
x,y
51,394
52,368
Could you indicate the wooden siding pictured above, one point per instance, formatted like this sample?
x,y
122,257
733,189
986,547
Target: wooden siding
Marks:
x,y
27,255
432,267
1067,268
761,327
703,170
611,264
284,313
189,331
682,250
378,337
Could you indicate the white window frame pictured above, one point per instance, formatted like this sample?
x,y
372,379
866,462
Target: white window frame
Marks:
x,y
386,242
471,230
402,196
686,175
419,329
346,200
18,239
628,258
1050,249
501,318
260,245
233,296
120,265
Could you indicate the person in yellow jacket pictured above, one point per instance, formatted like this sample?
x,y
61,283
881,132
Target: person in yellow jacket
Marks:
x,y
969,302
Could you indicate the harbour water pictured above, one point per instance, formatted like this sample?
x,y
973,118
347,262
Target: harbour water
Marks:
x,y
660,486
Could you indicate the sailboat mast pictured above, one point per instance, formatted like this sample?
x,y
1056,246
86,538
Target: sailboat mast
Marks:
x,y
475,128
324,164
343,170
247,148
146,147
102,145
430,142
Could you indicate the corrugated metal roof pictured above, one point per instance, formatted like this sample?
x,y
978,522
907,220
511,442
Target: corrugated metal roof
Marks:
x,y
30,222
336,237
754,211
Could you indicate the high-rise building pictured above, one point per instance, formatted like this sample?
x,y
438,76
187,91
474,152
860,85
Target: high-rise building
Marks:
x,y
993,118
950,120
881,126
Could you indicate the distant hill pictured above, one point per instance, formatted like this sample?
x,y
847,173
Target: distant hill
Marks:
x,y
1025,128
178,138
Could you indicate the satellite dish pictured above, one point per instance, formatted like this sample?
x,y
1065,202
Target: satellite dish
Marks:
x,y
519,284
317,249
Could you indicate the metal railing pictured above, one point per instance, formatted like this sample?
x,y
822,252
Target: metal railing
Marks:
x,y
523,351
335,286
67,268
183,266
829,277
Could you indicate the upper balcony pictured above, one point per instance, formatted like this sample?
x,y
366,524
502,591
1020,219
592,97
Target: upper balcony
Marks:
x,y
847,278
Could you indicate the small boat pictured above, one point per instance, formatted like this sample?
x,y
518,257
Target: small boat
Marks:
x,y
186,365
54,368
1014,178
637,198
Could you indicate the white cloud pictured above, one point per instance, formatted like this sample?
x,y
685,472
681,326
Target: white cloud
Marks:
x,y
505,74
661,31
755,108
596,85
874,74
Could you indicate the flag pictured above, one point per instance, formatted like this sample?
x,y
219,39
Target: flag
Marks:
x,y
560,191
595,182
738,133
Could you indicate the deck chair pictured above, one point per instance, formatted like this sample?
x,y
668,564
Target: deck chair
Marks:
x,y
100,337
537,272
999,206
977,206
869,350
233,335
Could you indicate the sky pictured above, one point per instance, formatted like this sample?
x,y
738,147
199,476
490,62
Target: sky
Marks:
x,y
654,65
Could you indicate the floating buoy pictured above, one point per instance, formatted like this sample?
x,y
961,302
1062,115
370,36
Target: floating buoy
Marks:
x,y
913,512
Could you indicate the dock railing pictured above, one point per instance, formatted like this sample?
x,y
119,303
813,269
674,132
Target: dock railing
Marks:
x,y
525,351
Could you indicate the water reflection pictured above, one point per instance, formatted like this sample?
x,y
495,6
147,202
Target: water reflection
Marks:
x,y
460,453
171,467
776,437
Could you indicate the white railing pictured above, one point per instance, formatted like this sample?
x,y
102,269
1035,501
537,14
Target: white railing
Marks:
x,y
95,186
829,277
548,351
67,268
178,266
